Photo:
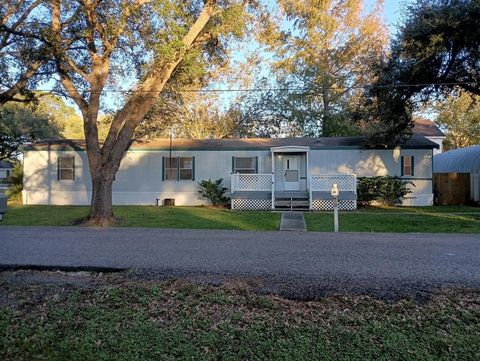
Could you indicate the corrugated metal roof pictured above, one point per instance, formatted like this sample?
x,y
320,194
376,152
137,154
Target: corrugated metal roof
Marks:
x,y
416,141
462,160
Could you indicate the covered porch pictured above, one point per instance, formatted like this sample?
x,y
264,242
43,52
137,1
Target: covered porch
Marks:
x,y
290,185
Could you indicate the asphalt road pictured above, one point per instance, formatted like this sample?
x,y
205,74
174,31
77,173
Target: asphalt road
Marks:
x,y
295,264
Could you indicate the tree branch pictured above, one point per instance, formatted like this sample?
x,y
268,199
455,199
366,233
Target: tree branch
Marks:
x,y
21,83
128,118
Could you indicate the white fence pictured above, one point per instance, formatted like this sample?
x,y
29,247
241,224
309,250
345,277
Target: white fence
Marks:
x,y
252,182
323,183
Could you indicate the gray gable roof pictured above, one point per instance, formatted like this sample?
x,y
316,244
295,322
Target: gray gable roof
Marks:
x,y
416,142
427,128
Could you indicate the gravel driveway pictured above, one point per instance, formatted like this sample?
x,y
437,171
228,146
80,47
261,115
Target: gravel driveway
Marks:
x,y
295,264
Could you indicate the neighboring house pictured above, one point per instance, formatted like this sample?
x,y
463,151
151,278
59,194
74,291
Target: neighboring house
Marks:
x,y
428,129
462,160
5,170
259,173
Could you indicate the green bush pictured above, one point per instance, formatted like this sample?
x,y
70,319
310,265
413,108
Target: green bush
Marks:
x,y
214,192
384,190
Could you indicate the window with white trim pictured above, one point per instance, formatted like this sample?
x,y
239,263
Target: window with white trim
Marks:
x,y
66,168
245,165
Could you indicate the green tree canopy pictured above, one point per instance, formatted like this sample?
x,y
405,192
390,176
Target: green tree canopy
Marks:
x,y
322,59
437,50
20,124
25,61
459,115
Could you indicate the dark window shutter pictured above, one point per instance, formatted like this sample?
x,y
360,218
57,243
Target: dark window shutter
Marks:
x,y
178,168
163,168
193,168
233,164
402,170
413,166
73,168
58,168
256,164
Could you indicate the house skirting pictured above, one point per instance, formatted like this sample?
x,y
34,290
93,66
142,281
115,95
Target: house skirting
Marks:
x,y
79,198
418,200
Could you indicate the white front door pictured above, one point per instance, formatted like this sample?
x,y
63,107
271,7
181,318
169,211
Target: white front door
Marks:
x,y
291,176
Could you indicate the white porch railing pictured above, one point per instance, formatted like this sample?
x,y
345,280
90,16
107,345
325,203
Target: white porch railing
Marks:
x,y
323,183
243,182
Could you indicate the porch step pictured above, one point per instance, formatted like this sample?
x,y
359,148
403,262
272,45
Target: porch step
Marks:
x,y
292,203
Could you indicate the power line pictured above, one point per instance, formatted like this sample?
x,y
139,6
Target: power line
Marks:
x,y
260,90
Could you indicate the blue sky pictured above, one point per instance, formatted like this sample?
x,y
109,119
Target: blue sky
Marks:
x,y
393,14
392,17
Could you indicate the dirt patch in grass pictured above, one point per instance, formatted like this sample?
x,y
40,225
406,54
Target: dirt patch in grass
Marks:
x,y
58,316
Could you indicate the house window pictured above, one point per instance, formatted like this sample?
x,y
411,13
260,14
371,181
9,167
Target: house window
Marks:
x,y
179,168
407,166
186,168
245,165
171,168
66,168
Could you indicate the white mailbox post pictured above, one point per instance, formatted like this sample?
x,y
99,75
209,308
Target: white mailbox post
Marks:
x,y
334,192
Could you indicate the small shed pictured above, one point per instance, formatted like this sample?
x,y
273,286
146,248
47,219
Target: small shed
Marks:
x,y
463,160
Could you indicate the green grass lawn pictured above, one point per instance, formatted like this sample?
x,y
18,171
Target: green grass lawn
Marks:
x,y
421,210
439,219
453,219
147,216
181,321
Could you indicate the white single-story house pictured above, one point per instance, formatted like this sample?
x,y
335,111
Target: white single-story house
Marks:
x,y
260,173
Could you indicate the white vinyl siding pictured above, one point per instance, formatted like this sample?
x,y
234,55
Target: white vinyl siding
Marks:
x,y
139,179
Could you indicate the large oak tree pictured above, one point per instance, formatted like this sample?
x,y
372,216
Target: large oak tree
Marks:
x,y
436,51
24,60
99,45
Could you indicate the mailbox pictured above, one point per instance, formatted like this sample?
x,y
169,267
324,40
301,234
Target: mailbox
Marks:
x,y
334,190
3,205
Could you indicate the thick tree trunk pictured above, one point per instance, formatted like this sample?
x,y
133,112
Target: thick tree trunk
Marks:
x,y
104,160
101,211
